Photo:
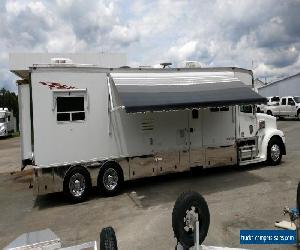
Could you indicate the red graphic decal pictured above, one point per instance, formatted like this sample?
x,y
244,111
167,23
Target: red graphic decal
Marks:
x,y
56,85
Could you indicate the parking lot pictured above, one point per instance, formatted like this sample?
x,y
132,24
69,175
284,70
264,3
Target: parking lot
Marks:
x,y
238,198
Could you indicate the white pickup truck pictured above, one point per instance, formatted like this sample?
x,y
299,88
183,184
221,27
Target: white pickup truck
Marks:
x,y
288,106
271,101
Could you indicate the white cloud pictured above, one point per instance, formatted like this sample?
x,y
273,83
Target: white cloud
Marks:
x,y
216,33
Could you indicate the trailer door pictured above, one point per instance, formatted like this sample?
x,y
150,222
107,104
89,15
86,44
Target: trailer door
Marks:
x,y
197,153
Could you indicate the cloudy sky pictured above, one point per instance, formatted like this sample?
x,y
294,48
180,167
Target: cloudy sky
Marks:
x,y
260,35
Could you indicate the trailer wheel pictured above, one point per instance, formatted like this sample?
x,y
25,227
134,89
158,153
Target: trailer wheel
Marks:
x,y
110,179
77,184
108,240
274,151
190,207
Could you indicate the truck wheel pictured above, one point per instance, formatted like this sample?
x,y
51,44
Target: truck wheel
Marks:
x,y
110,179
190,207
77,184
269,112
274,151
258,110
108,240
298,115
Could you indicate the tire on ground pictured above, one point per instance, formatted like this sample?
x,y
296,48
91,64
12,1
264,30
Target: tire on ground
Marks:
x,y
110,179
269,112
184,203
77,176
108,240
274,142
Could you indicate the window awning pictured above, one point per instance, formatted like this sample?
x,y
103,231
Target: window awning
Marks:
x,y
140,92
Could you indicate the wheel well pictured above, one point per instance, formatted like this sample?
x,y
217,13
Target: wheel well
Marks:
x,y
282,146
80,168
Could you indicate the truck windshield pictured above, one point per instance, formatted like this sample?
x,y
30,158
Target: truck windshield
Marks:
x,y
297,99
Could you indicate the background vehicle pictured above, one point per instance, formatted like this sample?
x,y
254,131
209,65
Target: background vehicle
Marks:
x,y
7,122
93,126
271,101
289,106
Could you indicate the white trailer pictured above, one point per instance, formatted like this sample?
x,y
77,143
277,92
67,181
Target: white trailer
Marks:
x,y
7,122
89,126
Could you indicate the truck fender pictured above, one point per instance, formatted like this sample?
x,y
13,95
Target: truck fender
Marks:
x,y
265,141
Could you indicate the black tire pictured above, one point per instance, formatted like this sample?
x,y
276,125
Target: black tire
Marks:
x,y
258,110
108,170
108,240
84,188
269,112
277,143
298,115
183,204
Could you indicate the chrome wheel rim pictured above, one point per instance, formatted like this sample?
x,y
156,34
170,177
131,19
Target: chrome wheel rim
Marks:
x,y
190,220
275,152
110,179
77,185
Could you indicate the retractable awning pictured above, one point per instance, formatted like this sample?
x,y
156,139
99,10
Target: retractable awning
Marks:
x,y
140,92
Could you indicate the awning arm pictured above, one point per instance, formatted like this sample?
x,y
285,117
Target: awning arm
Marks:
x,y
110,96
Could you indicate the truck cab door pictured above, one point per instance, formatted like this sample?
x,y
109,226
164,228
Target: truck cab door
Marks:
x,y
247,124
291,107
283,107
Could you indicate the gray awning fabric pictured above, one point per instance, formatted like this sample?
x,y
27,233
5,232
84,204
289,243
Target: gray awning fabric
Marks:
x,y
140,92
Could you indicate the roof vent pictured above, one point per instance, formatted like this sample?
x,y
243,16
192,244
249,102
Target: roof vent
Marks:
x,y
61,61
192,64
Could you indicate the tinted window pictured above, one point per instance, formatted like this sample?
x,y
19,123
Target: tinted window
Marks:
x,y
78,116
224,109
283,101
63,116
68,104
246,108
214,109
70,108
291,101
275,99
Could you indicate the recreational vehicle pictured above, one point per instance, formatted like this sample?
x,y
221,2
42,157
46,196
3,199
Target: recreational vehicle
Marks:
x,y
84,126
7,122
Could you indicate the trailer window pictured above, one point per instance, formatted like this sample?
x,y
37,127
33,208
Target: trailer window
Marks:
x,y
195,114
224,109
216,109
70,108
246,108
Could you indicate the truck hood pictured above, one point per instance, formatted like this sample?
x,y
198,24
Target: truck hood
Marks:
x,y
270,120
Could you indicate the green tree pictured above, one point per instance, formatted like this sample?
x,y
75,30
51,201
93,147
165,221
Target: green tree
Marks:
x,y
10,100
